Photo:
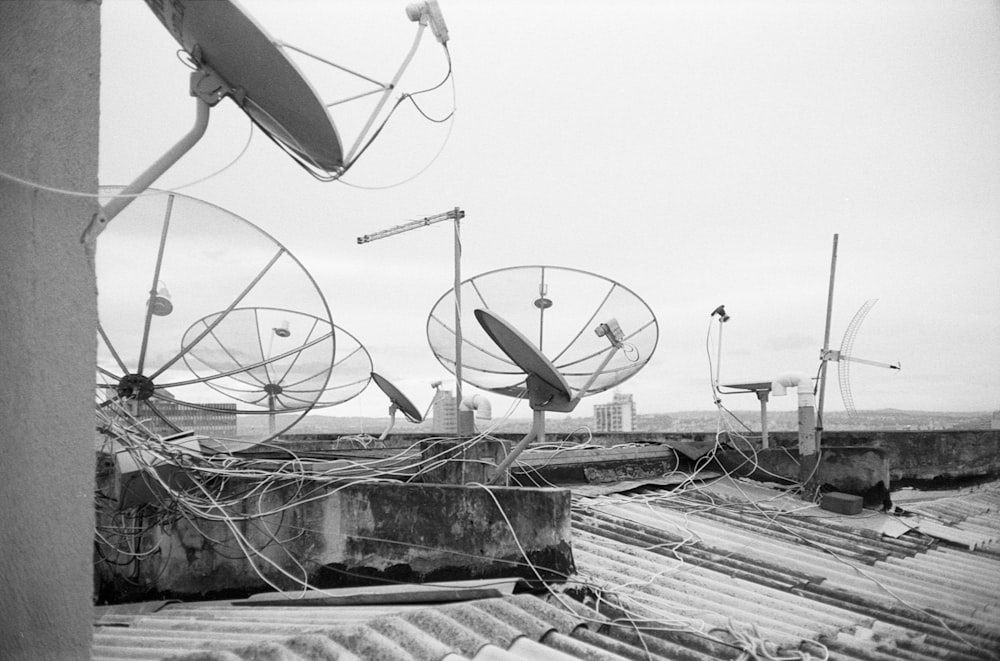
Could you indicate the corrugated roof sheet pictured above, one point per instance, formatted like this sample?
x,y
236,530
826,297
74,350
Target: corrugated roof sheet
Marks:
x,y
485,628
729,570
968,517
799,578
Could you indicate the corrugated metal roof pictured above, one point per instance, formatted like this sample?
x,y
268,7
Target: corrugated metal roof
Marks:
x,y
801,579
729,570
486,628
968,517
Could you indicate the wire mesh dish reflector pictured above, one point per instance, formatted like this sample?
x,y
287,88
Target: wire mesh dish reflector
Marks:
x,y
277,358
168,262
557,309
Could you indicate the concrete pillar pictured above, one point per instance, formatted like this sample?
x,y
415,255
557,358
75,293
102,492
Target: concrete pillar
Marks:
x,y
49,111
808,450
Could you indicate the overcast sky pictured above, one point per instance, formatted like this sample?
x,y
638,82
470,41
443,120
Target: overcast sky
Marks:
x,y
699,153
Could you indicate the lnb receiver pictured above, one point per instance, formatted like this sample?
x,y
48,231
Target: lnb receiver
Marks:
x,y
611,330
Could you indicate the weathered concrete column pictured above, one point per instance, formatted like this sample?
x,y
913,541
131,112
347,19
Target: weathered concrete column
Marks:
x,y
49,112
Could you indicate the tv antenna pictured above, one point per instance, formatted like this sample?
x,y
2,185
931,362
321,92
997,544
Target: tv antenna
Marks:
x,y
843,357
598,332
232,56
238,299
455,215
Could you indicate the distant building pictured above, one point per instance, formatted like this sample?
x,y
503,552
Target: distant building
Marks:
x,y
220,422
444,413
995,422
619,415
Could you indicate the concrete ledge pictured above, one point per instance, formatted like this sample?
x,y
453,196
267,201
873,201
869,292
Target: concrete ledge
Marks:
x,y
921,455
861,471
912,455
354,534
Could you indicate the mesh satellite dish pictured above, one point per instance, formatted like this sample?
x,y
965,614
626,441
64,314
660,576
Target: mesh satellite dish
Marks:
x,y
276,361
230,280
552,334
843,357
561,311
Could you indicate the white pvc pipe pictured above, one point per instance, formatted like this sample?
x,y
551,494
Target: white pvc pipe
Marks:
x,y
803,383
479,404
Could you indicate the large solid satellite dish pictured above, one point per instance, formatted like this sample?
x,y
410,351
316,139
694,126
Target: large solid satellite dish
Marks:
x,y
546,387
176,263
232,56
597,332
225,43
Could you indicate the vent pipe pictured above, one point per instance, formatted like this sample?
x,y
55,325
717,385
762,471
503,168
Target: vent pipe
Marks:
x,y
808,449
482,407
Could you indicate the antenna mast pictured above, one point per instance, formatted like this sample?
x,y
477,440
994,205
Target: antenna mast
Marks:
x,y
826,344
456,215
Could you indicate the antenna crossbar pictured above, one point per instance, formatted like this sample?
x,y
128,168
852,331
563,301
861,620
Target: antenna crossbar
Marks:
x,y
454,214
838,356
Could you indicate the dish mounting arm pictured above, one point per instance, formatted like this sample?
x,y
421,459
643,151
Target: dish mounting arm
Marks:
x,y
392,421
208,89
538,387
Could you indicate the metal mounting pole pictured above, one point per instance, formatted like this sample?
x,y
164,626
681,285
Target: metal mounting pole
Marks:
x,y
458,325
154,171
537,432
456,215
826,344
387,90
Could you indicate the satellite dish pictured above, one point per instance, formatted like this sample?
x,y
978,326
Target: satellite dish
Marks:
x,y
597,332
560,311
238,59
397,399
234,283
398,402
276,361
843,357
546,387
232,56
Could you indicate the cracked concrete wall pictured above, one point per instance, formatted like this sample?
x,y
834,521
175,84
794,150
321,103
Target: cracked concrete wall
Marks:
x,y
349,534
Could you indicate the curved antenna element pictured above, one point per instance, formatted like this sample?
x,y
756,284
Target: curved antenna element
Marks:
x,y
844,358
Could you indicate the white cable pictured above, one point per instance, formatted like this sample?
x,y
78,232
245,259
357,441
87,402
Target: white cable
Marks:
x,y
72,193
